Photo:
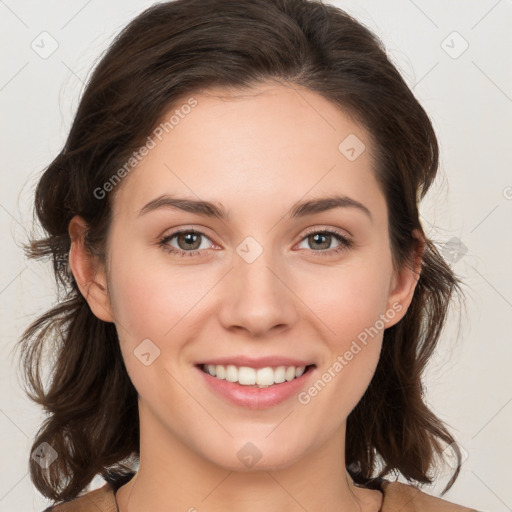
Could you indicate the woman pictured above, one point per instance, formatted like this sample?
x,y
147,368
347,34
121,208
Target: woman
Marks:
x,y
210,357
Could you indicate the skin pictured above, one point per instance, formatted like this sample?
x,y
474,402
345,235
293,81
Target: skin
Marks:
x,y
256,154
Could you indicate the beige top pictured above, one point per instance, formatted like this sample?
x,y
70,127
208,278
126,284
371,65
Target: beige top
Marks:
x,y
398,497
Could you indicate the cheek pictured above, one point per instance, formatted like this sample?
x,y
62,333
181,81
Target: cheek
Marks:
x,y
350,309
150,300
158,303
350,299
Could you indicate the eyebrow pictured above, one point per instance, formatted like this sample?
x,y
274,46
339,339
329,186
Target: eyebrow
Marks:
x,y
216,210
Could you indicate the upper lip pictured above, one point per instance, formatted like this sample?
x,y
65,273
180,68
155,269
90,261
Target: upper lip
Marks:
x,y
260,362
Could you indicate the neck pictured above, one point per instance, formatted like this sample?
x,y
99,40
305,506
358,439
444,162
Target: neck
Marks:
x,y
172,476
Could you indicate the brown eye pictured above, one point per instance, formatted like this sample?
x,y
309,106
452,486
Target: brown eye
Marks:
x,y
188,242
320,242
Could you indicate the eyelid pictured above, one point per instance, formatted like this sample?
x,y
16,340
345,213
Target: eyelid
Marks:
x,y
196,228
199,229
330,229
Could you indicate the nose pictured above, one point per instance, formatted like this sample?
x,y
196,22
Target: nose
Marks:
x,y
256,297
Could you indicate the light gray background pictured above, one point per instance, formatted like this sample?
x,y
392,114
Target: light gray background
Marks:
x,y
469,98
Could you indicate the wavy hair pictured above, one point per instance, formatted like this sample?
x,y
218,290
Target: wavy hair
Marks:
x,y
170,51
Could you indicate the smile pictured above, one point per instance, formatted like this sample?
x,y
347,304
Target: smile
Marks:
x,y
260,377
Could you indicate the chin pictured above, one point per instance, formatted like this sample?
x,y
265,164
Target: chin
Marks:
x,y
254,455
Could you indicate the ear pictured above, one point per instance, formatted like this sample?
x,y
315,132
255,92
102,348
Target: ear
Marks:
x,y
89,274
404,283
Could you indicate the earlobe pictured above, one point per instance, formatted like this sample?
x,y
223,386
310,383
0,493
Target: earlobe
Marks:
x,y
404,283
89,274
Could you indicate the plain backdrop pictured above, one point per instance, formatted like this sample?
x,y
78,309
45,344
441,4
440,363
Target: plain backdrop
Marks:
x,y
457,57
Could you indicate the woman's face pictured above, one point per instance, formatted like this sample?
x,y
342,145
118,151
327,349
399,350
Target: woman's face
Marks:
x,y
263,280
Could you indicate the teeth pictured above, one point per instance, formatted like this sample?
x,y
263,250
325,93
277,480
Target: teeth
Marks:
x,y
261,377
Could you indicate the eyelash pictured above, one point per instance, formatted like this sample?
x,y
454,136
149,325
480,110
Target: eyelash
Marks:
x,y
345,242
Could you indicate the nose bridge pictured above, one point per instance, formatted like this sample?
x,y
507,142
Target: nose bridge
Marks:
x,y
257,297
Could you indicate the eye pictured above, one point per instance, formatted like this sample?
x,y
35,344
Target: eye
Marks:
x,y
323,238
188,240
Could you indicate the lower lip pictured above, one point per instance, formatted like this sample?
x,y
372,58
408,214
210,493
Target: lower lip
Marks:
x,y
253,397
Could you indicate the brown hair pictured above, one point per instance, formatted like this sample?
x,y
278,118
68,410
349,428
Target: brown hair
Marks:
x,y
169,51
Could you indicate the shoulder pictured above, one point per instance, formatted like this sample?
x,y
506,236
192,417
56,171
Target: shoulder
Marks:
x,y
410,499
99,499
396,494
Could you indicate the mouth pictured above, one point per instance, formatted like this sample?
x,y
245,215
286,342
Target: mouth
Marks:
x,y
268,376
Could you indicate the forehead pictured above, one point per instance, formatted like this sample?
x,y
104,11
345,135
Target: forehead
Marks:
x,y
271,144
